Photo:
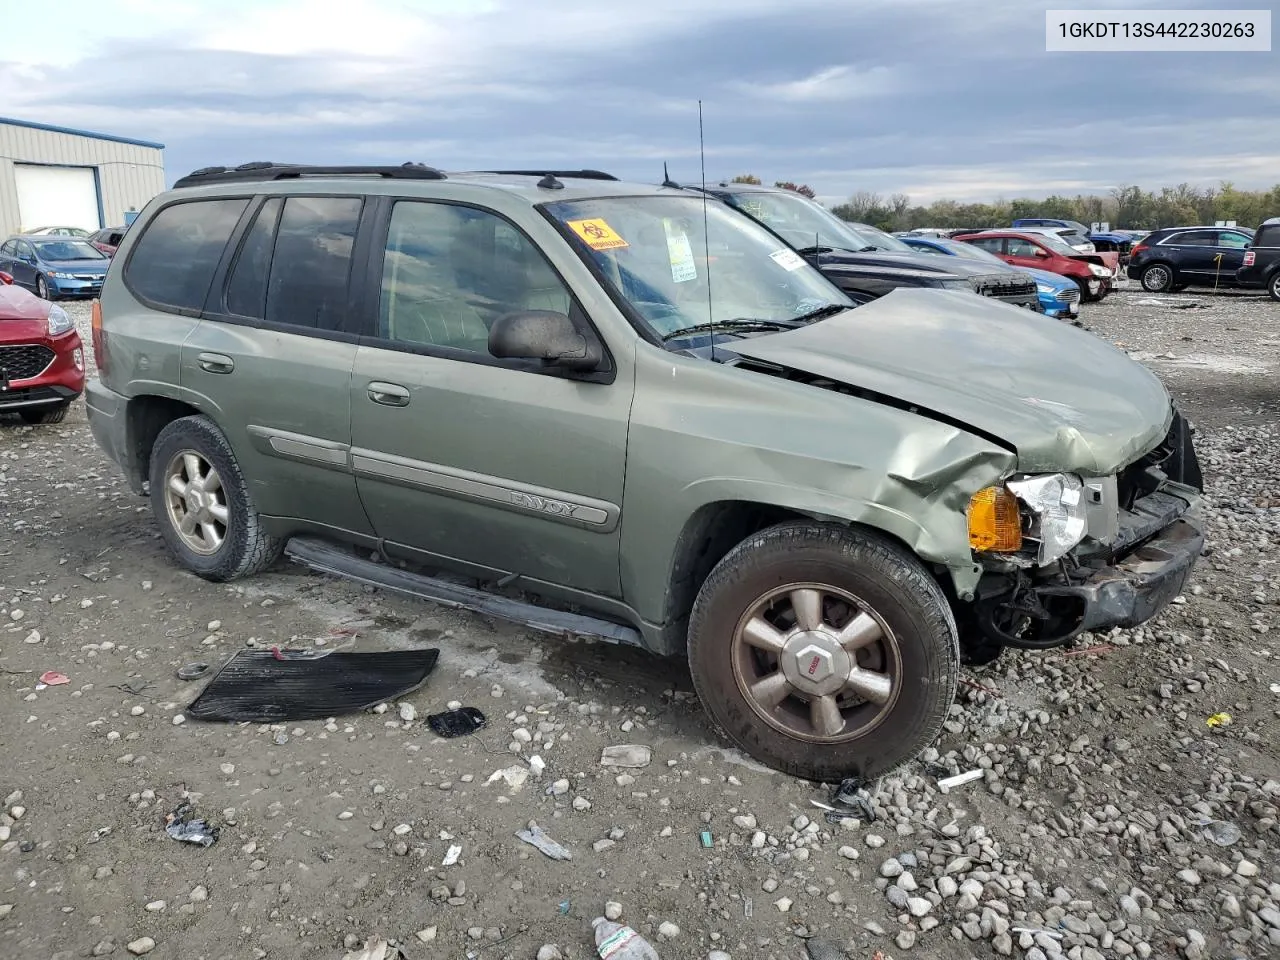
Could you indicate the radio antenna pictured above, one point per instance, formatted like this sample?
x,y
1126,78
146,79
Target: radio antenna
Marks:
x,y
706,236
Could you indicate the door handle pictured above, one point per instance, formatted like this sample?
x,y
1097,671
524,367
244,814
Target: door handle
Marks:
x,y
215,363
388,394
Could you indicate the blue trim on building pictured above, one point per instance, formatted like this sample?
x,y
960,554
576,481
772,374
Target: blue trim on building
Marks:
x,y
97,189
80,133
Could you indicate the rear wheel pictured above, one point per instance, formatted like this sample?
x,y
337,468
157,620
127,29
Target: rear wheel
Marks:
x,y
201,502
824,652
1158,278
1273,287
54,414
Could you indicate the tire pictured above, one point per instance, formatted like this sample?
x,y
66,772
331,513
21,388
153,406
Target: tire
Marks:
x,y
54,414
1158,278
223,544
916,653
1273,286
42,288
1085,295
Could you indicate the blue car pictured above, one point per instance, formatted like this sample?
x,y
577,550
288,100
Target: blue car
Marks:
x,y
1059,295
53,267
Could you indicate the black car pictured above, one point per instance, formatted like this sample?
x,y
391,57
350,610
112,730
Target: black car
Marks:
x,y
1178,257
1261,267
864,262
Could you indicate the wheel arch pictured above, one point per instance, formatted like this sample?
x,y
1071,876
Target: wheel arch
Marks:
x,y
146,416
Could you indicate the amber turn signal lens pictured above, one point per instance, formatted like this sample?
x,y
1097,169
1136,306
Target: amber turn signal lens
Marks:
x,y
994,524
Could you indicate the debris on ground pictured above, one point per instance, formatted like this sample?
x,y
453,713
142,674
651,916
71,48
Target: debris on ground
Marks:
x,y
192,671
535,836
616,941
273,685
1218,720
51,678
182,824
456,723
627,755
451,856
947,784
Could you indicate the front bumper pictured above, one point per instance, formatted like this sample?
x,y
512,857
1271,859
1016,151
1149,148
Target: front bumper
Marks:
x,y
61,381
76,287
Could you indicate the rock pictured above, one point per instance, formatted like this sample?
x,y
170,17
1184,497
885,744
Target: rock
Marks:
x,y
668,930
906,939
718,955
581,804
428,935
947,887
1002,943
783,905
1246,868
198,895
874,840
408,712
141,945
745,822
602,845
1189,877
155,906
559,788
613,910
769,885
897,897
891,868
918,906
849,853
548,951
521,735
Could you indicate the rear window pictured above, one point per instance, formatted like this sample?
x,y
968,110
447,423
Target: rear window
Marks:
x,y
173,262
1268,236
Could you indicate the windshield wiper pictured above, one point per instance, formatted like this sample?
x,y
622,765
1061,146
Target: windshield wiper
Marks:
x,y
829,248
744,325
826,310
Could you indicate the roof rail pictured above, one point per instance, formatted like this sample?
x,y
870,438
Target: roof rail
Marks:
x,y
577,174
264,170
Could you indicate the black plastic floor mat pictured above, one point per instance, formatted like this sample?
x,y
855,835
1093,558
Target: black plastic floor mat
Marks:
x,y
266,685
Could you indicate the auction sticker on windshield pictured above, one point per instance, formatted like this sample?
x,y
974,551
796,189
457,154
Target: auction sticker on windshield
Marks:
x,y
597,234
787,259
680,251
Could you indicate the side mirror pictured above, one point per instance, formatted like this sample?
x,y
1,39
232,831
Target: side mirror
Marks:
x,y
544,335
1041,253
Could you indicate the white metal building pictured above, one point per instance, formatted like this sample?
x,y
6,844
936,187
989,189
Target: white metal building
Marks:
x,y
55,176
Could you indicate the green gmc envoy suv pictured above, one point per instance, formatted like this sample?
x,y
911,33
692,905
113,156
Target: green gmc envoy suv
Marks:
x,y
620,410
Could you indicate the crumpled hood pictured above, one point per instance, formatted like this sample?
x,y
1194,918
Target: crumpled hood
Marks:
x,y
1062,398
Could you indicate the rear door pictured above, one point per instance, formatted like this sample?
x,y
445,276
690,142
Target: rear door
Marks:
x,y
462,459
272,356
1228,255
1192,253
24,264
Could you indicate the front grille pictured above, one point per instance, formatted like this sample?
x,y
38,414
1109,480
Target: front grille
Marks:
x,y
24,361
1069,296
94,277
1005,289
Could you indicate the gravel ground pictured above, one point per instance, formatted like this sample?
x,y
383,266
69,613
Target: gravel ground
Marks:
x,y
1089,835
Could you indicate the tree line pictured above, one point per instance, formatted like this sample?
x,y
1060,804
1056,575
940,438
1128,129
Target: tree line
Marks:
x,y
1126,207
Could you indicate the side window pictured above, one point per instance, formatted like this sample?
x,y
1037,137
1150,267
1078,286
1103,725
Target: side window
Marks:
x,y
1268,237
451,271
173,261
1017,247
311,263
1193,238
1236,241
247,288
990,244
114,238
9,248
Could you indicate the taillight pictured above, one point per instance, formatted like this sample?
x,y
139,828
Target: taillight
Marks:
x,y
1136,249
1249,257
99,338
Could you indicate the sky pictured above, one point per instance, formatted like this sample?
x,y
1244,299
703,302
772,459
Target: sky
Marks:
x,y
931,98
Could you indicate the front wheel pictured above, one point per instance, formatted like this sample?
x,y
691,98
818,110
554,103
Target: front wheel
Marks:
x,y
201,501
42,288
41,415
824,652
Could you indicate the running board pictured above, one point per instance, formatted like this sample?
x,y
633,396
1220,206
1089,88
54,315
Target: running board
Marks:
x,y
327,558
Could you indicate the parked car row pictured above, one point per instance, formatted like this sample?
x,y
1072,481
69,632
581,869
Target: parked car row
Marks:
x,y
53,266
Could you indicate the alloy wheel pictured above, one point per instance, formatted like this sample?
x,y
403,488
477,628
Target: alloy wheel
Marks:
x,y
816,663
196,503
1157,278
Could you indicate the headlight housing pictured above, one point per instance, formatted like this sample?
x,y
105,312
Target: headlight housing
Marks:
x,y
59,321
1098,270
1045,514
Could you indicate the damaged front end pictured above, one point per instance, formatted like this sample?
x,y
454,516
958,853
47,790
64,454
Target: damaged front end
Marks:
x,y
1064,554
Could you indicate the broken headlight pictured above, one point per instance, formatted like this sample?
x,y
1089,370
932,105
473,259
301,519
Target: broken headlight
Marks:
x,y
1044,514
1057,508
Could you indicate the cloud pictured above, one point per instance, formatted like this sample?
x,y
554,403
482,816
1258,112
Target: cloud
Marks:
x,y
928,97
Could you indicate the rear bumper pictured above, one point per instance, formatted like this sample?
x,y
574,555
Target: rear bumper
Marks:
x,y
106,410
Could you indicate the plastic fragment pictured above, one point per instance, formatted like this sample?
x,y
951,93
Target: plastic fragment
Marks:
x,y
184,826
823,950
456,723
535,837
959,780
615,941
850,801
626,755
1218,720
192,671
1221,832
52,678
452,856
705,837
563,908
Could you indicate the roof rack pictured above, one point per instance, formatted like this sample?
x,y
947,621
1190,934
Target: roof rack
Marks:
x,y
263,170
576,174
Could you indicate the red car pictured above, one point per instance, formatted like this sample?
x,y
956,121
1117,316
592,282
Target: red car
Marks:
x,y
107,239
41,356
1094,273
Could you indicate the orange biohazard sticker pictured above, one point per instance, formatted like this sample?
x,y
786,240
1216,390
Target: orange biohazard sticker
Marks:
x,y
597,234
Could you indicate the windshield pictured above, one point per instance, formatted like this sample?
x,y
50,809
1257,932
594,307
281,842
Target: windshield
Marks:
x,y
801,222
1056,244
653,251
67,250
969,251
